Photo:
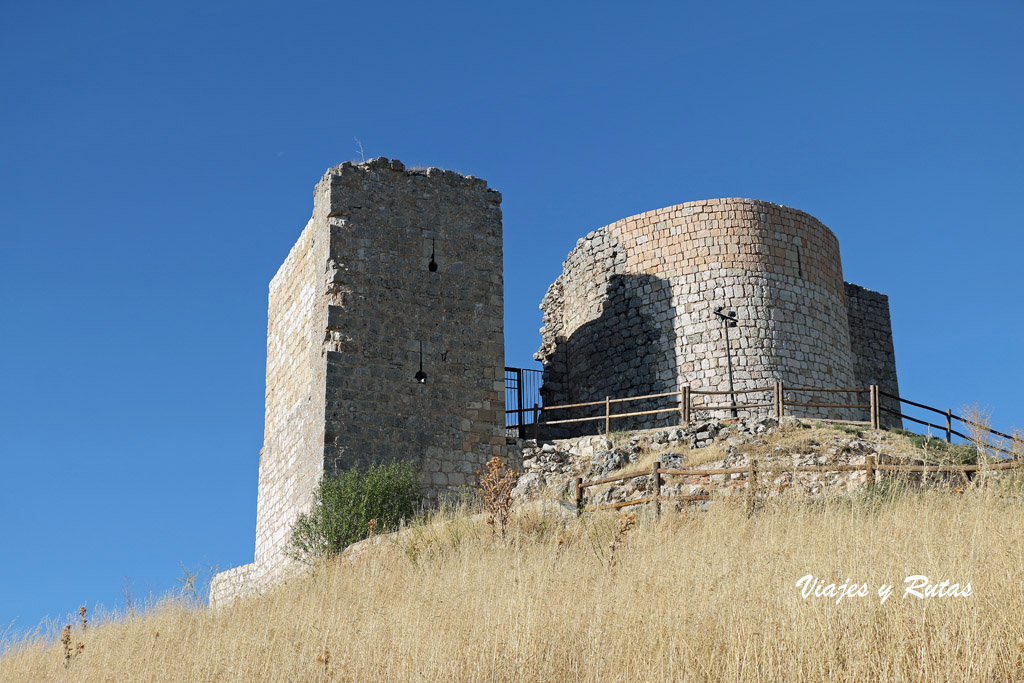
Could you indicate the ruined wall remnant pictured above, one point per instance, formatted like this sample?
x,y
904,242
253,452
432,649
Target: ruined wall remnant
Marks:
x,y
632,312
397,270
874,360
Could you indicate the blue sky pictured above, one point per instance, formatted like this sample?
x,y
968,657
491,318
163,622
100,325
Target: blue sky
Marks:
x,y
158,161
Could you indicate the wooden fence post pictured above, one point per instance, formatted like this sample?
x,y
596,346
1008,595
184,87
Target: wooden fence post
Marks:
x,y
949,426
685,407
778,400
870,462
608,417
751,483
579,495
656,475
878,407
874,405
782,400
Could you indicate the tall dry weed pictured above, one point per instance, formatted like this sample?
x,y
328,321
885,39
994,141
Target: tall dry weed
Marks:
x,y
623,526
496,482
978,423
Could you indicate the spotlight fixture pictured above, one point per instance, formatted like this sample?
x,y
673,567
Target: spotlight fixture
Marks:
x,y
421,376
728,319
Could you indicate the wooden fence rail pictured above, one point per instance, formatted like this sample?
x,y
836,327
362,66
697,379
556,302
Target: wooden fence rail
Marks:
x,y
687,404
871,467
948,427
779,403
874,407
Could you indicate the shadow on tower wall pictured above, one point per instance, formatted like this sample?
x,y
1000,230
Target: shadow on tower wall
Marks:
x,y
628,350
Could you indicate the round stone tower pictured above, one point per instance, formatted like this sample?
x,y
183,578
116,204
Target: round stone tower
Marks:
x,y
633,311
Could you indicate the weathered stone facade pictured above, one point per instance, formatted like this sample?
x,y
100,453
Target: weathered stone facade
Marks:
x,y
874,360
397,272
632,312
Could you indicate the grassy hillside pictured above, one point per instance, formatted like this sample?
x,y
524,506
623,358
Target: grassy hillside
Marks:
x,y
687,596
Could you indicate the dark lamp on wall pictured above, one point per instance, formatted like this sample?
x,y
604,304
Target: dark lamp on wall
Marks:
x,y
421,376
432,266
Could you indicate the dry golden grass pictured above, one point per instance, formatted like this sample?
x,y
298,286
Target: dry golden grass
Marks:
x,y
811,436
688,596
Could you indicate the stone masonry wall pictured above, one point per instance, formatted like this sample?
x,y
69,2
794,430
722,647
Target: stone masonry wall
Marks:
x,y
228,585
392,261
386,301
618,336
871,341
291,460
663,272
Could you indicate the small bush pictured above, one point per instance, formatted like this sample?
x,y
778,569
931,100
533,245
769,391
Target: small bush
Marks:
x,y
858,433
353,504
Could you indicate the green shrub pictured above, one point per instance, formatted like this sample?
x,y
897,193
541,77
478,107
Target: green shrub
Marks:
x,y
352,504
858,433
886,489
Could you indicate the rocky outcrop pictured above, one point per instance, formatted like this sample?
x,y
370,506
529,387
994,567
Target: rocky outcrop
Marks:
x,y
556,464
550,468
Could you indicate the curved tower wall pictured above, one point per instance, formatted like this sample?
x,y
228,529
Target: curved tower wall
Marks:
x,y
632,311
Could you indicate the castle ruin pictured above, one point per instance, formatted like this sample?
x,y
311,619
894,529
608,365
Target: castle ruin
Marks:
x,y
385,328
633,312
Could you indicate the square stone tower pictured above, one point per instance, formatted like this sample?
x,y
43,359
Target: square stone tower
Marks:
x,y
384,341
